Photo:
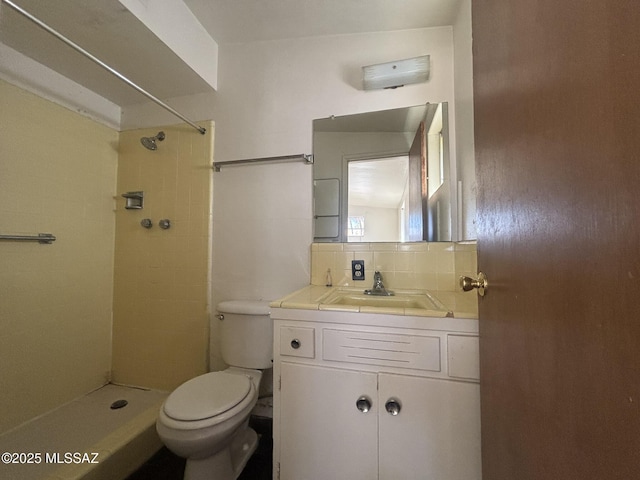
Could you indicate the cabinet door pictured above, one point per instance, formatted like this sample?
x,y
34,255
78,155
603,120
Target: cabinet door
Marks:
x,y
323,435
436,433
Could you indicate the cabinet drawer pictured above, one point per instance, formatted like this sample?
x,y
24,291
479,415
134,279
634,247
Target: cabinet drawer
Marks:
x,y
297,342
386,349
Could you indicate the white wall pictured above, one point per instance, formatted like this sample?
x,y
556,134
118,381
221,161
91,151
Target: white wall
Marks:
x,y
269,93
34,77
261,231
465,151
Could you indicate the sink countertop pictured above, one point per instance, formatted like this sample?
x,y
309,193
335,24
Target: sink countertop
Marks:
x,y
306,298
311,297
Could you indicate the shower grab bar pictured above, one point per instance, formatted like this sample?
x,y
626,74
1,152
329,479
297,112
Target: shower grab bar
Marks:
x,y
91,57
44,238
217,166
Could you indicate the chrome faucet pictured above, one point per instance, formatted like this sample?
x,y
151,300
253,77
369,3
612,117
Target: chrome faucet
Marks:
x,y
378,287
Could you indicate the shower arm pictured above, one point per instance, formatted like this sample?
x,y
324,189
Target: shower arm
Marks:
x,y
91,57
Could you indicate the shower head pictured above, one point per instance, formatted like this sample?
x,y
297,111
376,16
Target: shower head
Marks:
x,y
150,142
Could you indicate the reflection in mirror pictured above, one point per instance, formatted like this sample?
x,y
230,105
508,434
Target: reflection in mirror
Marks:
x,y
376,202
392,171
439,203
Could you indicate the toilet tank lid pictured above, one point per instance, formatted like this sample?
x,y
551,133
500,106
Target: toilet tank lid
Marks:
x,y
245,307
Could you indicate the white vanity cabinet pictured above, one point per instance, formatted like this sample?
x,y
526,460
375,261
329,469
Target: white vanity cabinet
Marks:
x,y
322,434
357,400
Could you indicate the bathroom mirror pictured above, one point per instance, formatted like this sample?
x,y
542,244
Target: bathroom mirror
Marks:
x,y
384,176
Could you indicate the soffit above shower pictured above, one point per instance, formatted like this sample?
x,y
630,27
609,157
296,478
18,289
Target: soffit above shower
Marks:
x,y
110,32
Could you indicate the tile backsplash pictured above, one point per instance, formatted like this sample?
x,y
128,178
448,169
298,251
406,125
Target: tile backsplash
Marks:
x,y
434,266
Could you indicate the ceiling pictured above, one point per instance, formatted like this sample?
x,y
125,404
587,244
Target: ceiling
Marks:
x,y
381,182
233,21
405,119
106,29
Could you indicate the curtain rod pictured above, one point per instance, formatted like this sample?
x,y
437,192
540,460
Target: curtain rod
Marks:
x,y
283,158
91,57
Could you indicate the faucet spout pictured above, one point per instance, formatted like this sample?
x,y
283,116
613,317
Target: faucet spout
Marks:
x,y
378,287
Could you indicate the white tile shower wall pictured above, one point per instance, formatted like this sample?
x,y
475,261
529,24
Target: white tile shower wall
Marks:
x,y
424,266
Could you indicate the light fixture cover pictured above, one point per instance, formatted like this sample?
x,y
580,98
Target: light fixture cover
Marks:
x,y
396,74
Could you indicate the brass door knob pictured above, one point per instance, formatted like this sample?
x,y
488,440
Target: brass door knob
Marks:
x,y
468,283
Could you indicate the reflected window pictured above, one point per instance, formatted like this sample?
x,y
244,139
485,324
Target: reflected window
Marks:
x,y
356,227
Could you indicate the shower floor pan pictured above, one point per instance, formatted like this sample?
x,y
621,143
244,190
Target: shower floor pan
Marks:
x,y
85,438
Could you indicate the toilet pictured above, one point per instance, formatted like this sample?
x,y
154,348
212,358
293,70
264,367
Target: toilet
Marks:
x,y
206,419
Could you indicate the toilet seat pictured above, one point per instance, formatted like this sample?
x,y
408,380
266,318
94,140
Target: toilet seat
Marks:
x,y
207,396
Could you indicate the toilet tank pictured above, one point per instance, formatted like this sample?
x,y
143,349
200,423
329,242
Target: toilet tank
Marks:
x,y
246,334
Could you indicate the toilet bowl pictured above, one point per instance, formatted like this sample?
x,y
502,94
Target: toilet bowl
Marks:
x,y
208,415
205,420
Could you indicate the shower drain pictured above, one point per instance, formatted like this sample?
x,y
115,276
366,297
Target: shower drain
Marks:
x,y
118,404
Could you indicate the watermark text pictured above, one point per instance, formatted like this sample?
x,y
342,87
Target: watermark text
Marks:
x,y
26,458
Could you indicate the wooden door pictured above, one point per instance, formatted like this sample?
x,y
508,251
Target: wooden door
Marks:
x,y
557,125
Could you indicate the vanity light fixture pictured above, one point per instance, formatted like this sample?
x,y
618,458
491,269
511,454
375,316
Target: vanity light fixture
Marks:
x,y
396,74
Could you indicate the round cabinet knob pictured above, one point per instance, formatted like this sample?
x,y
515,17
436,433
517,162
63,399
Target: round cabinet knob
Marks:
x,y
393,406
363,404
295,344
